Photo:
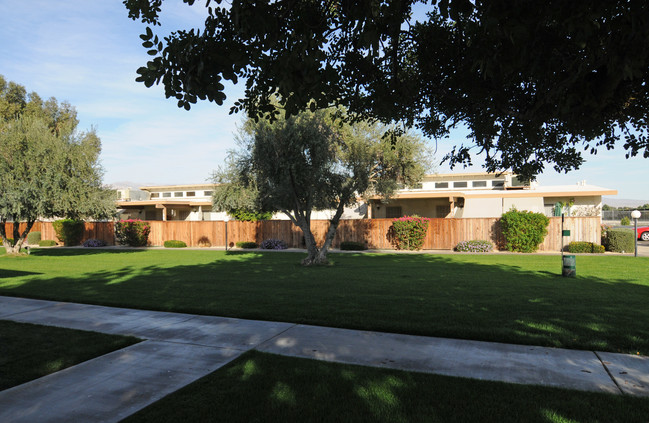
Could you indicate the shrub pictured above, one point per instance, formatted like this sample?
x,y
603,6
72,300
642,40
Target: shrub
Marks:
x,y
132,232
625,221
33,238
69,231
246,244
524,231
250,216
204,242
10,240
409,232
585,247
273,244
352,246
620,240
94,242
474,246
172,243
46,243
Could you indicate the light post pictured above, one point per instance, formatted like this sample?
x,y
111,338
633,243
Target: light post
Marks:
x,y
635,214
226,219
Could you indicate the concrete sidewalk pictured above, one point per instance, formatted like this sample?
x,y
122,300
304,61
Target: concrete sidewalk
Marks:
x,y
180,348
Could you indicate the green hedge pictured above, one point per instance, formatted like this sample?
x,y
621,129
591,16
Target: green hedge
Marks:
x,y
172,243
352,246
620,240
247,244
524,231
585,247
69,231
46,243
33,238
409,232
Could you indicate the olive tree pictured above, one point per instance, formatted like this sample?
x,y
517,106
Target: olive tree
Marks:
x,y
47,168
312,161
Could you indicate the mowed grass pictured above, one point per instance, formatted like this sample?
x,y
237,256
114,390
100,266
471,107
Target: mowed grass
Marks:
x,y
504,298
29,351
261,387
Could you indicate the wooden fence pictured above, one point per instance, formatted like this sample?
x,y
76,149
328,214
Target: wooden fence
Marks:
x,y
443,234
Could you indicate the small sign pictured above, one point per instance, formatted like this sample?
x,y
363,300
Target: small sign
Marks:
x,y
566,232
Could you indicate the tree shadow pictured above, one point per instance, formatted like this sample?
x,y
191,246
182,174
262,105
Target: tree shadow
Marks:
x,y
500,299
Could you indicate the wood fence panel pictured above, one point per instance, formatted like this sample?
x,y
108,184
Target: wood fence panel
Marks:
x,y
443,234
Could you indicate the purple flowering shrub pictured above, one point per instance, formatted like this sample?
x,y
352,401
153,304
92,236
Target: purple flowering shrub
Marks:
x,y
93,242
475,246
273,244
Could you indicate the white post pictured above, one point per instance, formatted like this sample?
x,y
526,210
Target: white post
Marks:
x,y
635,214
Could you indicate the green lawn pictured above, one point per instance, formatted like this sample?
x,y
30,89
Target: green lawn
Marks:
x,y
28,351
261,387
506,298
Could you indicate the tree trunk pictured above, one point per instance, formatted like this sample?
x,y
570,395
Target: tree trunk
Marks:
x,y
19,238
314,255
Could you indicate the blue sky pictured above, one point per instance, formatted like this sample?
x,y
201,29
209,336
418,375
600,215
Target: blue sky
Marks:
x,y
87,52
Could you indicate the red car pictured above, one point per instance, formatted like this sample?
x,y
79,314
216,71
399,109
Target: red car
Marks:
x,y
643,233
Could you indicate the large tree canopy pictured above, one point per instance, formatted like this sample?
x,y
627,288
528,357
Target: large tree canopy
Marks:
x,y
308,162
534,82
47,169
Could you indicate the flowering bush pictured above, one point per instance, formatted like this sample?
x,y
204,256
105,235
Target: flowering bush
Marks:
x,y
132,232
474,246
409,232
93,242
273,244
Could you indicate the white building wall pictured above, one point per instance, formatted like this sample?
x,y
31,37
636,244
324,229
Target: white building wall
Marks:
x,y
533,204
482,207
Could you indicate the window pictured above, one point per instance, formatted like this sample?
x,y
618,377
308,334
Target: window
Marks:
x,y
441,184
442,211
207,193
155,195
393,212
479,184
462,184
178,194
166,194
191,194
498,184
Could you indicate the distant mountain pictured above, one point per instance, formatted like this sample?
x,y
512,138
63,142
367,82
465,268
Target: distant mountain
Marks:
x,y
622,202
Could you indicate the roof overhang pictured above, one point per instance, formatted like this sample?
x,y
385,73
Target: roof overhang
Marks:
x,y
414,195
161,204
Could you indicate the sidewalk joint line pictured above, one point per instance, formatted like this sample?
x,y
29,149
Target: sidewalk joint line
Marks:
x,y
276,335
609,373
27,311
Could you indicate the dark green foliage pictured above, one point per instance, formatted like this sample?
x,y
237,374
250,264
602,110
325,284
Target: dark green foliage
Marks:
x,y
250,216
134,233
247,244
10,241
533,82
620,240
353,246
33,237
69,231
175,244
409,232
524,231
585,247
46,243
625,221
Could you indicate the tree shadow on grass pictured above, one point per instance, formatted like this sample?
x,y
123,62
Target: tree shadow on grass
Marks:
x,y
289,389
505,299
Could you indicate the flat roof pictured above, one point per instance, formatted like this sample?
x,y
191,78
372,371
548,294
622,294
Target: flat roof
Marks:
x,y
163,203
177,187
549,191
